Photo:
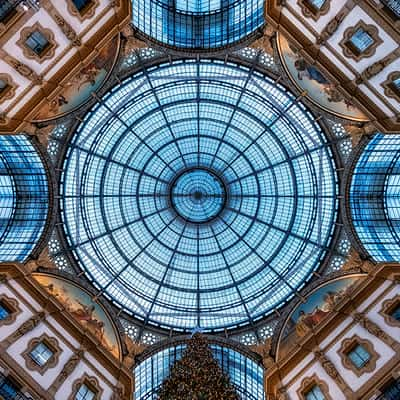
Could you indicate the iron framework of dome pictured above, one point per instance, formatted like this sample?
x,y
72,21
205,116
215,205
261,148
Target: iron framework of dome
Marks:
x,y
199,193
197,24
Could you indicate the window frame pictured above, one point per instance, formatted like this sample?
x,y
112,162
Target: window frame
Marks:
x,y
308,383
350,50
347,347
91,382
12,305
387,308
87,12
47,53
52,344
310,11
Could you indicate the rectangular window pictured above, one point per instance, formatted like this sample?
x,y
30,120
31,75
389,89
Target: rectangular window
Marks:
x,y
5,311
7,10
315,393
37,42
8,389
316,4
41,354
80,5
391,391
395,313
361,40
359,356
84,393
393,6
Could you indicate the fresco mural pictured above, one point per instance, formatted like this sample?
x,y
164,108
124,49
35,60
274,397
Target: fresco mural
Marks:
x,y
78,89
78,302
320,90
318,305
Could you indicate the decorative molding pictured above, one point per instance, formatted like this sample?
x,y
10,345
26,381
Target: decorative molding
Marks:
x,y
333,25
333,373
375,330
52,344
376,68
66,371
29,53
310,11
66,28
21,68
389,88
308,383
91,382
12,304
87,12
26,327
387,307
348,344
350,51
9,91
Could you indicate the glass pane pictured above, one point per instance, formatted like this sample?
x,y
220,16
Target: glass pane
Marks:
x,y
317,3
359,356
4,311
84,393
41,354
80,4
315,393
361,40
396,313
36,42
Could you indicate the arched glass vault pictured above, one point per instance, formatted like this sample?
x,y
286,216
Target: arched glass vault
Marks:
x,y
24,198
197,24
199,193
375,197
246,375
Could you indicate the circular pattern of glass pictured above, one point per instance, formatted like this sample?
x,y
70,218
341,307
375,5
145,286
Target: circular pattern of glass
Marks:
x,y
199,193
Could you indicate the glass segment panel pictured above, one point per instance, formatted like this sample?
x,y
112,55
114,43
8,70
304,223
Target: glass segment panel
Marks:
x,y
375,198
396,313
359,356
245,374
81,4
265,211
4,311
41,354
361,40
7,9
197,24
37,42
315,393
84,393
8,390
317,4
23,198
391,392
393,5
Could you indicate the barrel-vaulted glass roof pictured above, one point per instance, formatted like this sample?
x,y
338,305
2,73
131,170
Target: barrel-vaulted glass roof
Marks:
x,y
375,197
199,193
197,24
24,197
245,374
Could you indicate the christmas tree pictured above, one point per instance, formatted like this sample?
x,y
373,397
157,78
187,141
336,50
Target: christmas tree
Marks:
x,y
197,376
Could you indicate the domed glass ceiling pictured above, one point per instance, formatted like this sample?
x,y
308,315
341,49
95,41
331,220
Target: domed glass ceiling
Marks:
x,y
199,193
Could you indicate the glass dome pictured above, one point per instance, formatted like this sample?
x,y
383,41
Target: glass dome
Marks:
x,y
199,193
197,24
